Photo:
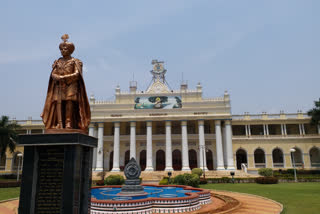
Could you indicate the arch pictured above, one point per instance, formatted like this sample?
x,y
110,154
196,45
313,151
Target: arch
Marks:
x,y
3,159
277,158
241,157
176,160
143,160
15,161
160,160
193,163
314,154
111,161
126,157
259,158
298,158
209,158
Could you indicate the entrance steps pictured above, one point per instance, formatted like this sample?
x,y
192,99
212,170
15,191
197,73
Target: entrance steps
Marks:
x,y
156,176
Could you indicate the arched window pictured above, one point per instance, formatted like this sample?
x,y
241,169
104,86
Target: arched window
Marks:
x,y
143,160
176,160
3,162
241,157
126,157
160,160
298,159
259,158
193,159
277,158
209,158
111,161
315,157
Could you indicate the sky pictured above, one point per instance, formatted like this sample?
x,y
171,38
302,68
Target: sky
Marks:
x,y
265,53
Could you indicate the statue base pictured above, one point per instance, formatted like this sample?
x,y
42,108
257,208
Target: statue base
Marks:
x,y
56,176
64,131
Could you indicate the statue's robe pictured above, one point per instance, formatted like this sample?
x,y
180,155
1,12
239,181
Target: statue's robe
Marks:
x,y
80,99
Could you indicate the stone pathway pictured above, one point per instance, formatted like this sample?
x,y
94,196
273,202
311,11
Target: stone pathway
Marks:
x,y
9,207
250,204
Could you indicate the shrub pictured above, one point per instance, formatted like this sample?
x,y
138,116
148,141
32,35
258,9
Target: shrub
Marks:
x,y
164,181
203,181
197,171
265,172
191,179
179,179
114,180
6,184
187,179
267,180
100,183
226,180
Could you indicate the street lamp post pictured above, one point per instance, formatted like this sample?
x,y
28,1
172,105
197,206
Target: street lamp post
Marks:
x,y
19,156
294,164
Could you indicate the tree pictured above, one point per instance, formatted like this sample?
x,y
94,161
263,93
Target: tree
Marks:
x,y
8,135
315,113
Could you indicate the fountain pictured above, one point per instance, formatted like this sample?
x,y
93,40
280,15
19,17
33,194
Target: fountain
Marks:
x,y
134,198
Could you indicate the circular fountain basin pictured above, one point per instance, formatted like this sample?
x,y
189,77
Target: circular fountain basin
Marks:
x,y
157,199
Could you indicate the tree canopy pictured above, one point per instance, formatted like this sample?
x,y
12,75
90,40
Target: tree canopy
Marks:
x,y
315,113
8,134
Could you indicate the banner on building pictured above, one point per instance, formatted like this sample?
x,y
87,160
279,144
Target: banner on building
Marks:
x,y
158,102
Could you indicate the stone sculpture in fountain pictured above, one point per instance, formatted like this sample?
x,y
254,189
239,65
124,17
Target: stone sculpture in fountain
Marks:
x,y
132,185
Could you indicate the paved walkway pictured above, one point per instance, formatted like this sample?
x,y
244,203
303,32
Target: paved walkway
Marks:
x,y
250,204
9,207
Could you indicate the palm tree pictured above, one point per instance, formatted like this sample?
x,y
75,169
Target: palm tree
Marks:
x,y
315,113
8,135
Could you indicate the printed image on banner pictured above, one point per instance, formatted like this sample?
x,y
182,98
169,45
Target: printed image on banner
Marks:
x,y
158,102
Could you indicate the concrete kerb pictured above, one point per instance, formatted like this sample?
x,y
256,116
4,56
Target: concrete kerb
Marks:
x,y
230,210
7,200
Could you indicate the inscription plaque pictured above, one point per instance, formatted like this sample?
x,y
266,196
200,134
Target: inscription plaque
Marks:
x,y
50,178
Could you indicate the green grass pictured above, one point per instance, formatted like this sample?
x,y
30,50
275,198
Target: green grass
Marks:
x,y
296,198
8,193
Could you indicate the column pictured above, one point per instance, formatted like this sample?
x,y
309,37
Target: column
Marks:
x,y
168,147
300,130
230,162
282,130
219,151
264,130
202,146
285,129
185,148
94,153
267,128
133,140
149,166
246,129
99,163
303,130
318,128
116,148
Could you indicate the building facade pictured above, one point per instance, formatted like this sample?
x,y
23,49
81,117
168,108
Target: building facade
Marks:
x,y
177,130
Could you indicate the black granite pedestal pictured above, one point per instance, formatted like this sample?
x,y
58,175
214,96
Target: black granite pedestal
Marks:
x,y
56,177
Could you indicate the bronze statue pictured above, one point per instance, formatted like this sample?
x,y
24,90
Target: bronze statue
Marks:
x,y
66,108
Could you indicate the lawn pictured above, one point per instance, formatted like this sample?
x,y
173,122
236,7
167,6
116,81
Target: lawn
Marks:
x,y
7,193
296,198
